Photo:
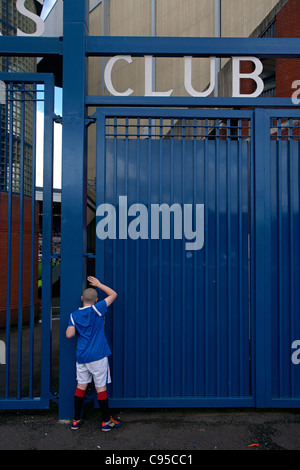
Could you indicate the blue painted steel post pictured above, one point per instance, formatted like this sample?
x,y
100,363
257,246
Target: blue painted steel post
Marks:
x,y
73,214
262,258
47,238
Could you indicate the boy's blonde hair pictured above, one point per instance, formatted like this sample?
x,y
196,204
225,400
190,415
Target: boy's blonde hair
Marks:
x,y
89,296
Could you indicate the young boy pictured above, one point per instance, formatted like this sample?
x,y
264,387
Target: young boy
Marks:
x,y
92,351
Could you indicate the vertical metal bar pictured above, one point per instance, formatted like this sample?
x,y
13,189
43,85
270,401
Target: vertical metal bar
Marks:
x,y
206,247
102,175
9,242
251,257
137,336
183,317
125,350
100,199
240,258
6,150
280,255
268,258
195,261
262,256
229,260
21,228
246,275
73,208
292,247
172,270
161,362
32,247
47,241
217,208
100,188
149,261
249,252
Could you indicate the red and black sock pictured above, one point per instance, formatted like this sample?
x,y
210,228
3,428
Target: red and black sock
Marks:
x,y
103,403
78,402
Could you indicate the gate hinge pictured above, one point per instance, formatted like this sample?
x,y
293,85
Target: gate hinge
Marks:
x,y
57,119
89,120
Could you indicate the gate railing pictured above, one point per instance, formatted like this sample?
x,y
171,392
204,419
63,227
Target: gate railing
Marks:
x,y
75,46
277,257
25,330
180,328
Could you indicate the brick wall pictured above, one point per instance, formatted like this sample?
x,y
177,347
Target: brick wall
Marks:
x,y
15,257
287,70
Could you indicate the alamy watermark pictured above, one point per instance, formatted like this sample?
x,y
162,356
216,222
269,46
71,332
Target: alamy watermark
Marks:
x,y
296,353
2,352
2,92
296,94
135,222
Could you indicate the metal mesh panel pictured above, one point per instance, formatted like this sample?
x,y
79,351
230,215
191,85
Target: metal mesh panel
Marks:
x,y
284,236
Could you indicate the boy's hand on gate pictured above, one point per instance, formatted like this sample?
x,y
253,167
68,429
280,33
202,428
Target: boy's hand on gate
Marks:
x,y
111,294
94,281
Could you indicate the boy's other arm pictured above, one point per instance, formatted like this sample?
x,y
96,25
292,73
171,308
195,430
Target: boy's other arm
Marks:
x,y
71,331
111,294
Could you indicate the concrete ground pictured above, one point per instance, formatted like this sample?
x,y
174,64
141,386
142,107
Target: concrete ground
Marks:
x,y
154,430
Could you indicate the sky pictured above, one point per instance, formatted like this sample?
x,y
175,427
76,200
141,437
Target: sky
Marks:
x,y
56,145
48,5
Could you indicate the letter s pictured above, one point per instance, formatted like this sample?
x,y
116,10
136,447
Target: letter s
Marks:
x,y
296,354
40,25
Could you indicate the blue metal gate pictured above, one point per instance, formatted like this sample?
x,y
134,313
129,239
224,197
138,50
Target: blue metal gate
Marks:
x,y
277,258
212,326
181,330
25,333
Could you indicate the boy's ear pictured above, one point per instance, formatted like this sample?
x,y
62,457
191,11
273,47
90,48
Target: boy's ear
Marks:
x,y
82,298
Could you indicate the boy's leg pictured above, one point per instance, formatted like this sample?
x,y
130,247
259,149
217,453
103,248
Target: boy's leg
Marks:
x,y
83,377
101,374
78,400
103,403
108,422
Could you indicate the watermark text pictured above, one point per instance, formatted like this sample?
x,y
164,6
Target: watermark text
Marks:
x,y
296,94
163,222
2,352
296,353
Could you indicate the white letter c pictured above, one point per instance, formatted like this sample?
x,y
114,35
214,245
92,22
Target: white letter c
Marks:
x,y
107,75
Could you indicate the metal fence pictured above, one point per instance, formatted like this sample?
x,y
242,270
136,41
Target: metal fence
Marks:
x,y
181,329
25,369
208,327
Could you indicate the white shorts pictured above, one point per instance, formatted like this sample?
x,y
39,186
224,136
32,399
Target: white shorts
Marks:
x,y
97,370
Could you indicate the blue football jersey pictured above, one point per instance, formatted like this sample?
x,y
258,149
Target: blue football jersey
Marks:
x,y
91,341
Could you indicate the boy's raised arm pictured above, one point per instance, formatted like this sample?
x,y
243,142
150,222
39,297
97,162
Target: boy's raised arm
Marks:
x,y
111,294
